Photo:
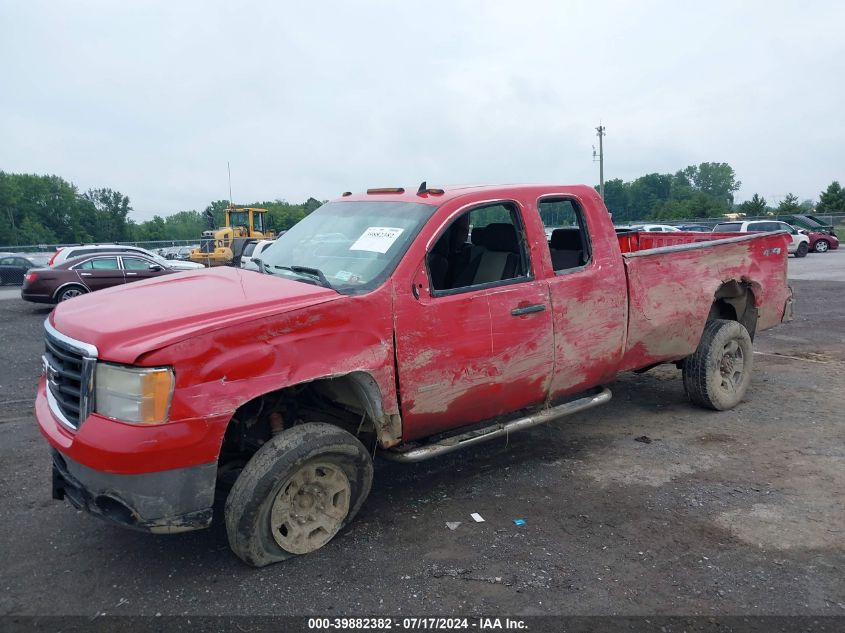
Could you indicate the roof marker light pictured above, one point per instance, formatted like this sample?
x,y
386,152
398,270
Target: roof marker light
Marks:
x,y
387,190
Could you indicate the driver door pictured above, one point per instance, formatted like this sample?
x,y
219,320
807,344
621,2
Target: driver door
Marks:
x,y
474,341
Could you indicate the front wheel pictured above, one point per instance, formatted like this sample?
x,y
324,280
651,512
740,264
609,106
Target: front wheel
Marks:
x,y
821,246
718,373
296,493
802,250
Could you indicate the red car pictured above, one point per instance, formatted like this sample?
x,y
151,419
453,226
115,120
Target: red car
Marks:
x,y
82,275
822,242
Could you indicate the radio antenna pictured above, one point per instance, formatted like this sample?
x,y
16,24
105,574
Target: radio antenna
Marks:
x,y
229,169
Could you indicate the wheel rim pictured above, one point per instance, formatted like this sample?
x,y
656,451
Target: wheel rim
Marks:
x,y
310,507
821,246
731,366
70,293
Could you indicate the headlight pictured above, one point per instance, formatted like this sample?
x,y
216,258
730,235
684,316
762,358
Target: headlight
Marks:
x,y
139,395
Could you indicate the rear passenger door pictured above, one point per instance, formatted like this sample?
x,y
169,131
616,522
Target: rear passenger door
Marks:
x,y
100,272
474,340
589,297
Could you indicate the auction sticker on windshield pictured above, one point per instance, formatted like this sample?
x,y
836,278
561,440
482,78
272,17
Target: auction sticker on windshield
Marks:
x,y
376,239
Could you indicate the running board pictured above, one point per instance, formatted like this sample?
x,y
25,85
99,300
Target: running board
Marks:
x,y
476,436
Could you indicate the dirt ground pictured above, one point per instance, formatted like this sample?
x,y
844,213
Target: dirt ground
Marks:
x,y
644,506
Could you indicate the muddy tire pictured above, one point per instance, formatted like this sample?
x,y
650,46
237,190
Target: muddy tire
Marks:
x,y
718,373
296,493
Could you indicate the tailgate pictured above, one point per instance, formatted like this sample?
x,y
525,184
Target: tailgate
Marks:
x,y
671,290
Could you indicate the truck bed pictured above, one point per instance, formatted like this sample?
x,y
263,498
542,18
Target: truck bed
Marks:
x,y
674,277
633,241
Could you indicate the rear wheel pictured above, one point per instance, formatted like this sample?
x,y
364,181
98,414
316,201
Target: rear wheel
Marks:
x,y
296,493
70,292
821,246
802,250
718,373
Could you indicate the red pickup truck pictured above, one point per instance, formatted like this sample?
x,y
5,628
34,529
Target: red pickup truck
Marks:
x,y
409,322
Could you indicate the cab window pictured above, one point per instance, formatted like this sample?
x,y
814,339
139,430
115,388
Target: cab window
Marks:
x,y
569,244
483,246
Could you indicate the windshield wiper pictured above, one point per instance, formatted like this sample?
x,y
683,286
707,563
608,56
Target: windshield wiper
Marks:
x,y
262,267
314,274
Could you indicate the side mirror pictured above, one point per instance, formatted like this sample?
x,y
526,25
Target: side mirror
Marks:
x,y
155,268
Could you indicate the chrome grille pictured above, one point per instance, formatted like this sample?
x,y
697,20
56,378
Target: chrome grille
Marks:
x,y
69,368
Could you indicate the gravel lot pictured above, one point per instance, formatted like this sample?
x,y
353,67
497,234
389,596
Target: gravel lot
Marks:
x,y
738,512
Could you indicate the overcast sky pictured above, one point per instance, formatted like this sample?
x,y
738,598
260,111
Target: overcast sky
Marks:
x,y
315,98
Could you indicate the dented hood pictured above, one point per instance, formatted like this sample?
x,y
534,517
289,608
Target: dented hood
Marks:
x,y
127,321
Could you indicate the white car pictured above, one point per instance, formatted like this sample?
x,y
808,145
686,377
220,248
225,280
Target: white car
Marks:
x,y
655,228
799,246
67,252
253,251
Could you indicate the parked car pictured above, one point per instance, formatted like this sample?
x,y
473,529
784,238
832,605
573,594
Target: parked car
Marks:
x,y
81,275
392,333
822,242
698,228
13,267
799,246
808,222
654,228
69,252
253,251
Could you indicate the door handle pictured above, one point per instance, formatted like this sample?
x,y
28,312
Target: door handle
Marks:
x,y
86,274
537,307
131,274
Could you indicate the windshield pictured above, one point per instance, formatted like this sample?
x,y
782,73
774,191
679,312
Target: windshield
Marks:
x,y
159,259
238,218
355,244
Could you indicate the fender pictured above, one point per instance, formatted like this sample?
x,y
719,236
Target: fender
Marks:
x,y
219,371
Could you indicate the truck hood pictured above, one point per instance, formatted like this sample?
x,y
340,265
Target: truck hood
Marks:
x,y
127,321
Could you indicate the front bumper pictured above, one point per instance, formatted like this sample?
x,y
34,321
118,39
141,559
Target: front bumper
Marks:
x,y
165,502
136,476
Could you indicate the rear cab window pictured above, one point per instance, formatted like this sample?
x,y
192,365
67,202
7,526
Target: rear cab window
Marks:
x,y
568,239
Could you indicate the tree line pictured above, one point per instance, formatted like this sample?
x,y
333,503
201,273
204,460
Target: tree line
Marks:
x,y
49,210
702,191
38,209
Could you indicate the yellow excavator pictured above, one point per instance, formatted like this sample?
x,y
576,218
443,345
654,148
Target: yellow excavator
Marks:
x,y
224,246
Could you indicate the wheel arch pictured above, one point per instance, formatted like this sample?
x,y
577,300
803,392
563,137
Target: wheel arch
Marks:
x,y
352,401
737,301
68,284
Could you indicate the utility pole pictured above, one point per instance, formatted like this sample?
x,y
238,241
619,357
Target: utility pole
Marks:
x,y
600,132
